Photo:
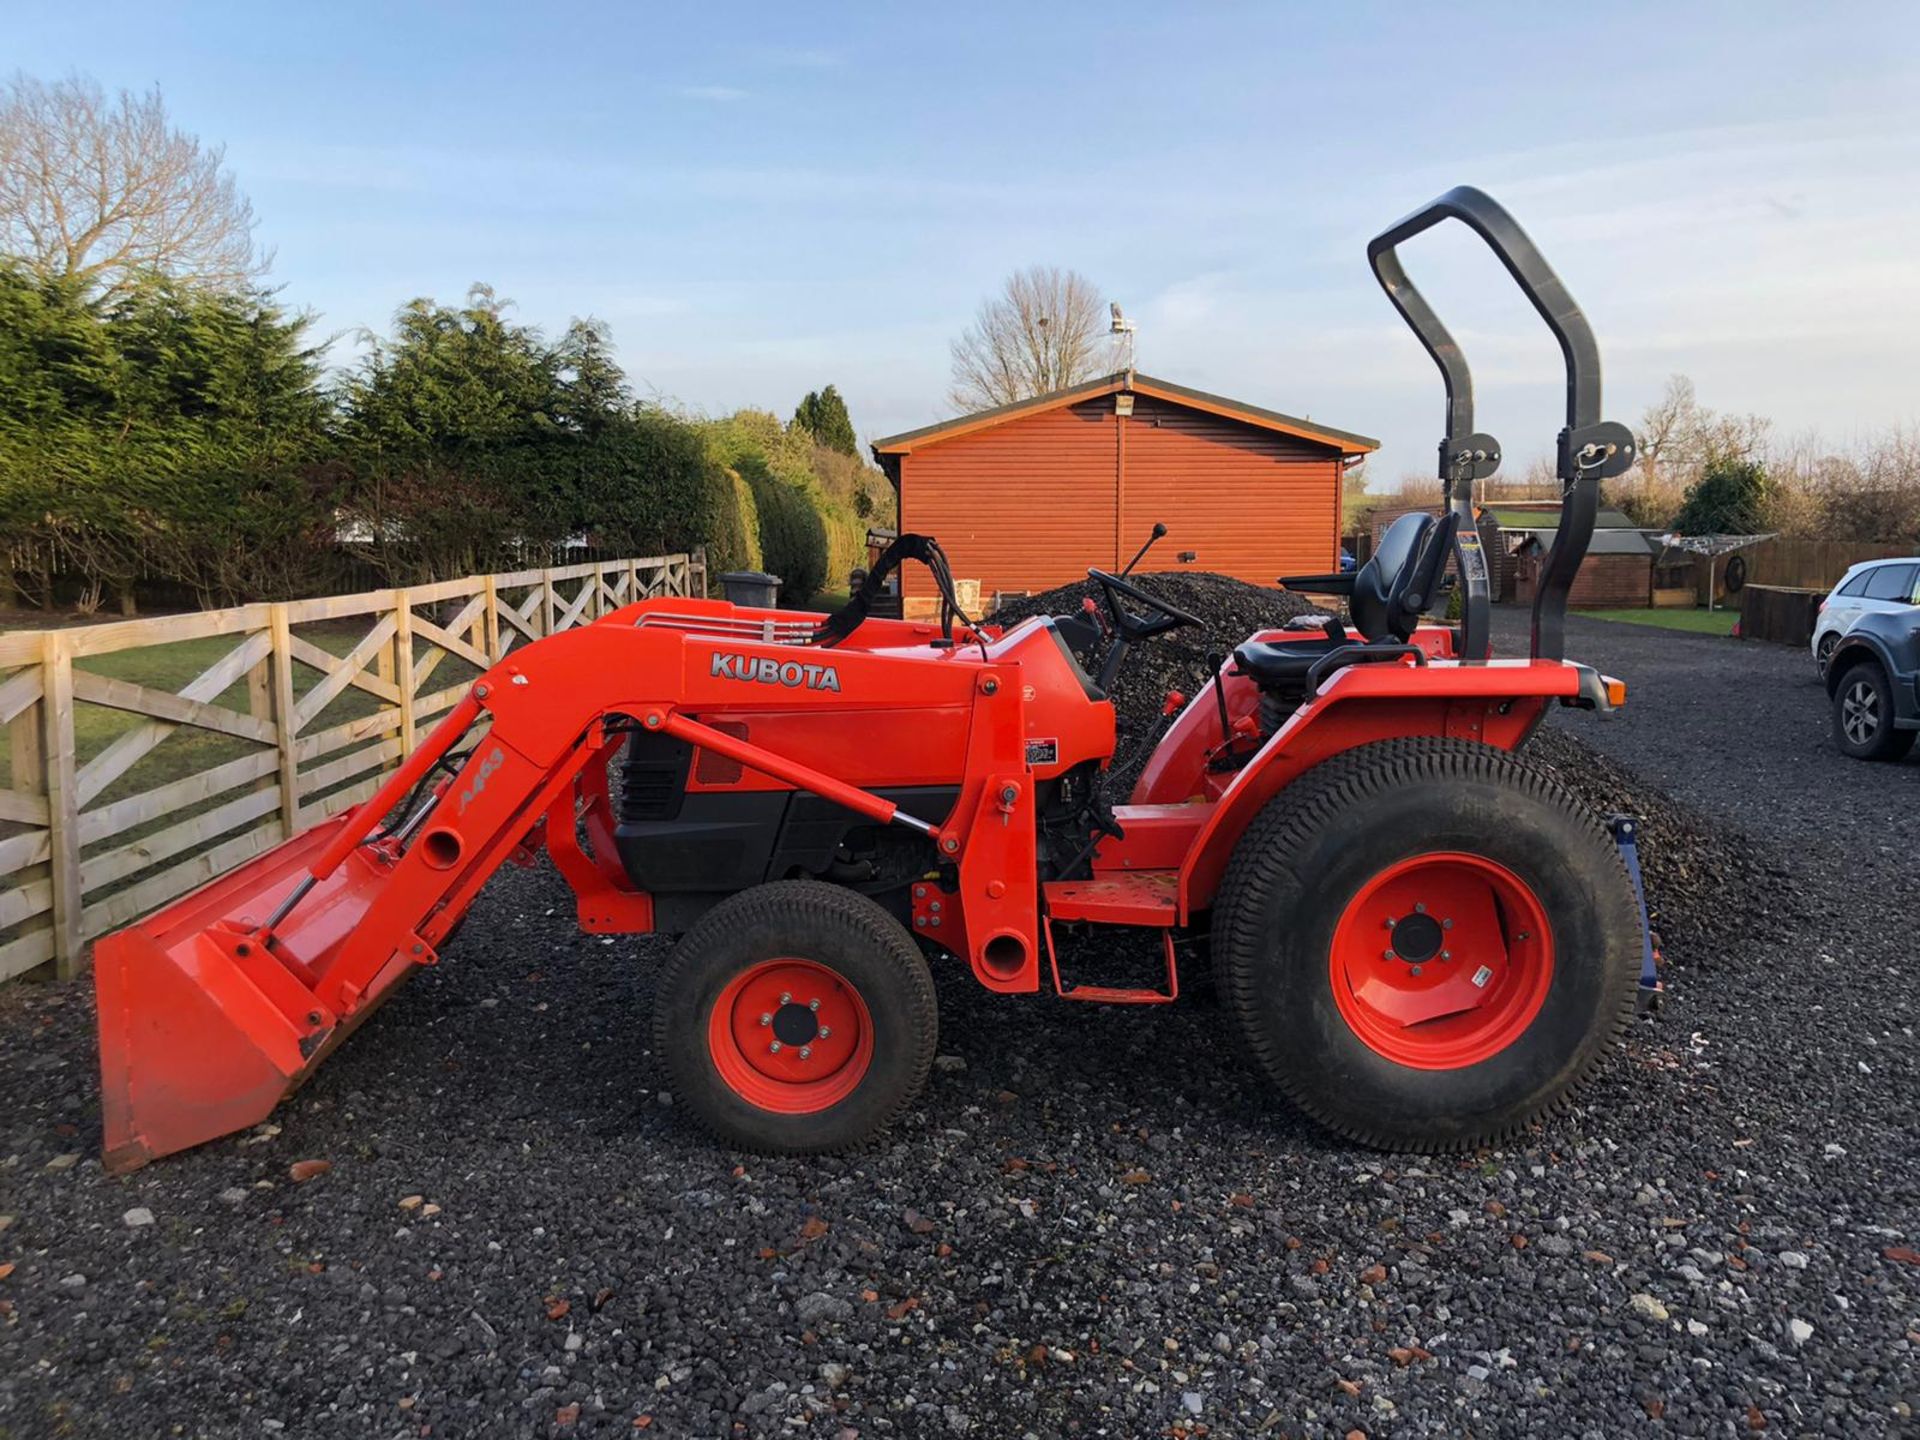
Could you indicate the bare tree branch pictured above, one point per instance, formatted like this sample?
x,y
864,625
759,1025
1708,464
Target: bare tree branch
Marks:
x,y
1044,331
97,192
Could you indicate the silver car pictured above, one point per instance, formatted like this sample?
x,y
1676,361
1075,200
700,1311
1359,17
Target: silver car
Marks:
x,y
1871,586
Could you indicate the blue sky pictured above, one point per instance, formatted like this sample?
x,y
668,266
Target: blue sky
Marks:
x,y
763,198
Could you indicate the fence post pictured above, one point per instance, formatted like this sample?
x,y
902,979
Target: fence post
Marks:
x,y
283,717
492,622
546,602
403,665
697,564
63,802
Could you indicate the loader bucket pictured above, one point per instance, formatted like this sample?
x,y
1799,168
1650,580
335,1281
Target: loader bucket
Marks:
x,y
204,1029
216,1008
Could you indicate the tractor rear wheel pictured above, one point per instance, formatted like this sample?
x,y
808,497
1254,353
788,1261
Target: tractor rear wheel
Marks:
x,y
1427,944
796,1018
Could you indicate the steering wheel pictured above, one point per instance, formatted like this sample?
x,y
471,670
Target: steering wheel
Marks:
x,y
1134,628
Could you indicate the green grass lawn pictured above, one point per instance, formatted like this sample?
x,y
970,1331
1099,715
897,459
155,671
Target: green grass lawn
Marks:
x,y
823,600
1694,622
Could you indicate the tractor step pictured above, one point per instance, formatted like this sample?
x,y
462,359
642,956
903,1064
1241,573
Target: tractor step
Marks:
x,y
1142,899
1133,897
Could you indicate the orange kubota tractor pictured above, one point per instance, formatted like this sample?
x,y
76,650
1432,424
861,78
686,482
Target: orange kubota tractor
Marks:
x,y
1423,940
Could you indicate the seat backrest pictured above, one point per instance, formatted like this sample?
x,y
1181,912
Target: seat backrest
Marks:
x,y
1402,576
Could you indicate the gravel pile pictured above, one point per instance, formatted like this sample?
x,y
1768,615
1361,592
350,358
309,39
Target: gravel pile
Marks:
x,y
1183,659
1093,1223
1705,882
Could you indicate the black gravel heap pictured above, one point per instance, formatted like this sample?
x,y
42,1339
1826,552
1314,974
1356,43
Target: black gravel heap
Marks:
x,y
1178,660
1093,1222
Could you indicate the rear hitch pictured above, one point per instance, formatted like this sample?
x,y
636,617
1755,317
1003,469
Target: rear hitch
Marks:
x,y
1625,830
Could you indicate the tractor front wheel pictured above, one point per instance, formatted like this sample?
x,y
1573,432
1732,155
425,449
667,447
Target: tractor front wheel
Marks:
x,y
1427,944
796,1018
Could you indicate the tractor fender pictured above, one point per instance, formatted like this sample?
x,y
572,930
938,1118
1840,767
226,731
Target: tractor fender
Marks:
x,y
1497,703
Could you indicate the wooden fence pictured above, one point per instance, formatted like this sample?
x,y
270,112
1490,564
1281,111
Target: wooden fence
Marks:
x,y
1793,563
1778,613
146,757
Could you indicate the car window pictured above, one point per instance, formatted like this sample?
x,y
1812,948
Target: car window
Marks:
x,y
1890,582
1856,584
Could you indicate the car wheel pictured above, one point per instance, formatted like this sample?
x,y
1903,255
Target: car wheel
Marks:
x,y
1863,715
1823,652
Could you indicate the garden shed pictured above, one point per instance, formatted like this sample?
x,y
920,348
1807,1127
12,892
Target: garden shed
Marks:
x,y
1025,497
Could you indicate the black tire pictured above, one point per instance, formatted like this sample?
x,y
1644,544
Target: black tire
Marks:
x,y
1863,715
827,926
1332,833
1823,652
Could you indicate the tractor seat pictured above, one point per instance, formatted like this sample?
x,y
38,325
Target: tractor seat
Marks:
x,y
1400,580
1278,667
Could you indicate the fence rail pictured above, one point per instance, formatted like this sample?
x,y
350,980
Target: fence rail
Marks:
x,y
145,757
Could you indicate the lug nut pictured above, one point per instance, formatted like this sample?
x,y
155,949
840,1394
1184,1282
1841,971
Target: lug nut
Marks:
x,y
775,1047
934,906
1421,908
786,997
1386,954
813,1004
1416,970
825,1031
920,922
1389,922
806,1052
1446,924
1446,954
766,1018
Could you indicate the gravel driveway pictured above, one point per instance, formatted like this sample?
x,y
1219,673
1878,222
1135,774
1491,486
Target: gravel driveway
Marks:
x,y
1093,1223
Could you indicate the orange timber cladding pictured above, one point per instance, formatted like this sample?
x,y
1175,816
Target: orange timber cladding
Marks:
x,y
1030,503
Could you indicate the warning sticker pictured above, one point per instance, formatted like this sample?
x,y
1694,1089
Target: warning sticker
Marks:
x,y
1473,559
1043,752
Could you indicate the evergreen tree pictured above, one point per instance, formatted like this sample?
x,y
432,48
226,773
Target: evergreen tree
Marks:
x,y
823,415
1730,498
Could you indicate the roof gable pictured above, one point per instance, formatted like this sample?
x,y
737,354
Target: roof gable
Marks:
x,y
1345,441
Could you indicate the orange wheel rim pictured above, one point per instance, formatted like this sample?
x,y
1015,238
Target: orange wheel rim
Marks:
x,y
791,1036
1442,961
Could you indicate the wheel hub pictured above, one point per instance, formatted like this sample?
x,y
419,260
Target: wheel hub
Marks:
x,y
1466,966
794,1024
790,1035
1416,938
1860,712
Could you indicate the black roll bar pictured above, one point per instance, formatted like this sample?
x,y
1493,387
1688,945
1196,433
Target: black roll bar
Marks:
x,y
1589,450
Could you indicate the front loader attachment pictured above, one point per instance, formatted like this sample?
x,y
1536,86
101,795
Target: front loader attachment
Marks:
x,y
214,1009
204,1028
